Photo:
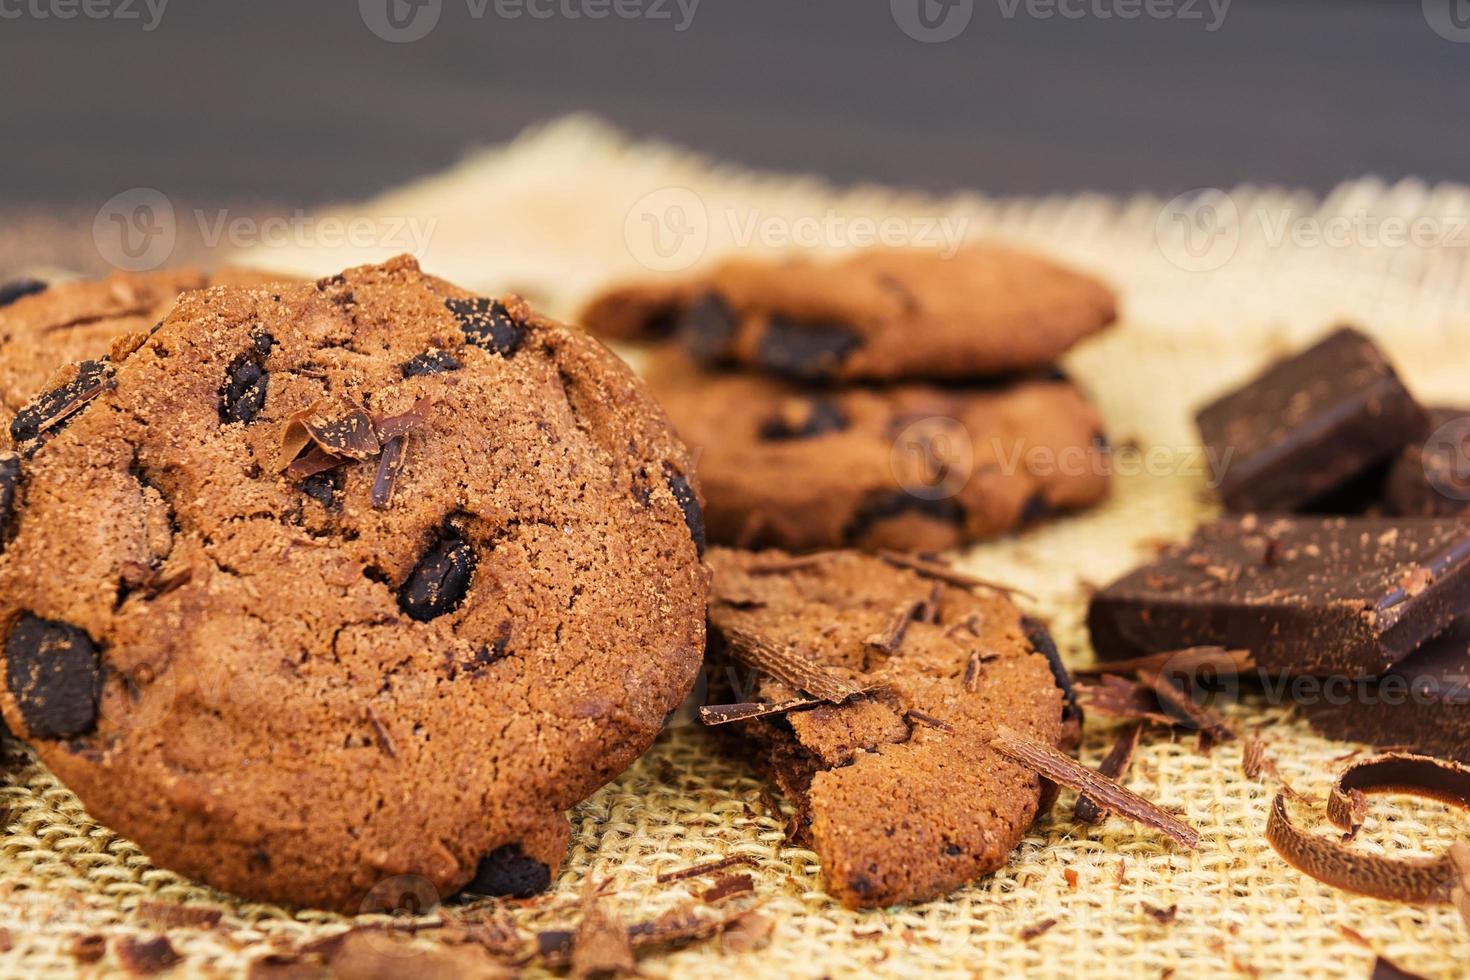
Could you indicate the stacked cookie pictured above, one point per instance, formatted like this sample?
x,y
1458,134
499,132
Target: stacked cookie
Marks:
x,y
902,399
312,587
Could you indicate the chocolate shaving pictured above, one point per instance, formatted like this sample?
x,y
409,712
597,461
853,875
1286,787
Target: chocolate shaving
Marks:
x,y
379,732
1163,917
1333,862
727,887
892,638
747,932
724,714
144,956
315,460
791,667
89,948
1119,697
974,667
1036,930
929,611
351,435
1180,703
390,464
943,573
1386,969
928,720
393,426
1188,660
166,915
709,867
1114,766
1053,764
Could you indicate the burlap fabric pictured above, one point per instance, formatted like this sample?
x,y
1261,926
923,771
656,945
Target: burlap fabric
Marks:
x,y
1212,286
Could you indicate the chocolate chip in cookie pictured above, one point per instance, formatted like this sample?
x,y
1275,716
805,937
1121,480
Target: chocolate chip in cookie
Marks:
x,y
52,671
487,324
441,578
507,872
53,411
807,351
16,288
433,361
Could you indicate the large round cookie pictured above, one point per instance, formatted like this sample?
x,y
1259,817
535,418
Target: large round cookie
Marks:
x,y
295,672
895,789
44,328
907,466
876,315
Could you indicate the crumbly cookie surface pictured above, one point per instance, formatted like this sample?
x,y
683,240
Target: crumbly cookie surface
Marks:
x,y
44,327
877,314
912,466
895,789
327,583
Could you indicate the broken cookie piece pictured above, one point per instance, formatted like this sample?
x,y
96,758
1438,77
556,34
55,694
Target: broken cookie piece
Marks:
x,y
895,785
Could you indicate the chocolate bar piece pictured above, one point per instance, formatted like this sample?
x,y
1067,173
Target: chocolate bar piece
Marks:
x,y
1432,478
1422,704
1305,595
1309,424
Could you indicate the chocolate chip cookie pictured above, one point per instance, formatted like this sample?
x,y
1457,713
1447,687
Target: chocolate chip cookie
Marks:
x,y
894,787
907,466
45,327
326,583
874,315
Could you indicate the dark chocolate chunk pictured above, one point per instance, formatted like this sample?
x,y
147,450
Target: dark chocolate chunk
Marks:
x,y
16,288
1040,639
1306,595
807,351
53,411
689,503
1309,424
430,362
9,482
1422,704
1036,508
884,506
440,580
816,417
242,396
52,670
506,871
262,341
1432,478
322,487
707,328
487,324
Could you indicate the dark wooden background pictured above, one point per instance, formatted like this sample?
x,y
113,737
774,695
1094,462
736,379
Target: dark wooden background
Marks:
x,y
296,101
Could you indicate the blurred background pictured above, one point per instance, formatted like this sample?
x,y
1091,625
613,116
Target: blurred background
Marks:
x,y
285,102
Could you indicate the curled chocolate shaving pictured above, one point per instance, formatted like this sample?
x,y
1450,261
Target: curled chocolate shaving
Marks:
x,y
1118,697
790,666
792,563
1114,766
1333,862
315,460
951,576
1055,765
724,714
1386,969
1036,930
918,717
892,638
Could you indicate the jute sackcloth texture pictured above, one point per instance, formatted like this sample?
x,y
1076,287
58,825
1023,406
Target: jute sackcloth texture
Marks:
x,y
1211,288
